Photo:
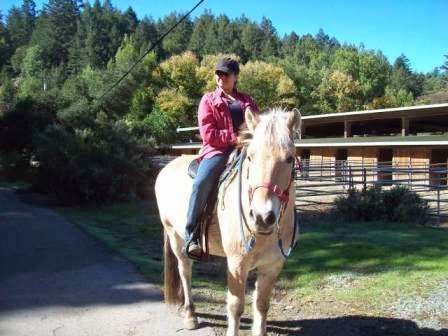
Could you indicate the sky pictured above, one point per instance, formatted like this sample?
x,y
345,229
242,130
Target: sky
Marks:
x,y
416,28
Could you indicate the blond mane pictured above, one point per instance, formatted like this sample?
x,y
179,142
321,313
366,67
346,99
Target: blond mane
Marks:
x,y
272,130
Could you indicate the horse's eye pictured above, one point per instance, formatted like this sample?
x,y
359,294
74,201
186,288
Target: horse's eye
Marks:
x,y
249,158
289,159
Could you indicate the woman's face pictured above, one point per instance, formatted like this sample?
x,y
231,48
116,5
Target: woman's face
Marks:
x,y
226,81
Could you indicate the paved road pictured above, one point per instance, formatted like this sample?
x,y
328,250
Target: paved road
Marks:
x,y
55,280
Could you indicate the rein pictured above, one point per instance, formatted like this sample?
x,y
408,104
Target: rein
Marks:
x,y
283,196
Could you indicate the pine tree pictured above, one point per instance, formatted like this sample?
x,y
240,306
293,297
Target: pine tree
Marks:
x,y
445,65
289,44
252,40
130,19
202,26
63,16
177,41
5,47
270,44
145,35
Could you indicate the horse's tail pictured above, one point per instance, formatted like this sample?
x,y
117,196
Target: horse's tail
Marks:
x,y
173,291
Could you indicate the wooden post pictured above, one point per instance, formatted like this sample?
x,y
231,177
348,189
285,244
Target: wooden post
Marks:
x,y
364,179
302,130
404,126
347,129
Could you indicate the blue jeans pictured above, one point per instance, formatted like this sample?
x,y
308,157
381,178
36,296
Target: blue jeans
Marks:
x,y
206,179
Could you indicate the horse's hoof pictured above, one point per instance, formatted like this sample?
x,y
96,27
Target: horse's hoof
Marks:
x,y
191,323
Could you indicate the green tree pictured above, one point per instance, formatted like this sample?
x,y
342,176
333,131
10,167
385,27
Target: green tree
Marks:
x,y
267,84
270,44
5,47
177,41
182,87
118,101
146,35
346,60
20,23
62,16
251,40
374,70
445,65
202,26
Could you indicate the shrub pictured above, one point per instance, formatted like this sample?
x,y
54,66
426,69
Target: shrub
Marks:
x,y
97,165
399,204
366,205
405,206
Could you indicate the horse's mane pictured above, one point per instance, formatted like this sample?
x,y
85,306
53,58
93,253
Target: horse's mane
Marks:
x,y
271,130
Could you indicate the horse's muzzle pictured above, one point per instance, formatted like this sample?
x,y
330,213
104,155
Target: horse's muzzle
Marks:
x,y
263,221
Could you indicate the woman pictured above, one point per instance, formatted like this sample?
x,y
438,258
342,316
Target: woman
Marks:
x,y
220,115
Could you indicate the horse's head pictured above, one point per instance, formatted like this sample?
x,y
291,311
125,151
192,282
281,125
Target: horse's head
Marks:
x,y
270,163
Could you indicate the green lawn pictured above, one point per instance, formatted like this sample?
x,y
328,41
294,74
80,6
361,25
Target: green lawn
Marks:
x,y
337,268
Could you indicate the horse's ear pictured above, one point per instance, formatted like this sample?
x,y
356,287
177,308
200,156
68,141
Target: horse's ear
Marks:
x,y
251,119
295,120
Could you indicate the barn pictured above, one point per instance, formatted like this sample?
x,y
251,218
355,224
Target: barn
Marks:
x,y
404,145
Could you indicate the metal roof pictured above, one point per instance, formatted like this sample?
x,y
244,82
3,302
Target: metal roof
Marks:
x,y
387,113
383,141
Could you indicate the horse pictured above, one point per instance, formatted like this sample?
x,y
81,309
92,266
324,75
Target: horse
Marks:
x,y
251,235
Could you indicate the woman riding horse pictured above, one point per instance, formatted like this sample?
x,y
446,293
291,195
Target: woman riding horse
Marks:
x,y
220,115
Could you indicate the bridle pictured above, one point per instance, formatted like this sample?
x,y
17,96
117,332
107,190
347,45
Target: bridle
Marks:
x,y
282,195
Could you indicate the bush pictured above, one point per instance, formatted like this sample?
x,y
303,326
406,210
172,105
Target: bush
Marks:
x,y
398,204
97,165
405,206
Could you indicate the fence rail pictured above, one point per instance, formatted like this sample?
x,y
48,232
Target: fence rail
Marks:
x,y
320,181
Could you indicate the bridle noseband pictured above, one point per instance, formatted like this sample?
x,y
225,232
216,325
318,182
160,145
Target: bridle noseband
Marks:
x,y
282,195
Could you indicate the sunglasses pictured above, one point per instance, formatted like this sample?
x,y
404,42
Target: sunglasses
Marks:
x,y
222,74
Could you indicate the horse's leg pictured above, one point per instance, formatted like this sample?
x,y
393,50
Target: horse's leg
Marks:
x,y
236,282
185,269
266,278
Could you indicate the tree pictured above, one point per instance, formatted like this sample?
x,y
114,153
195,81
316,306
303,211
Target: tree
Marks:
x,y
445,68
251,40
130,19
346,60
146,35
270,44
62,16
33,63
20,23
117,102
5,48
177,41
268,84
182,87
402,77
202,26
289,44
374,71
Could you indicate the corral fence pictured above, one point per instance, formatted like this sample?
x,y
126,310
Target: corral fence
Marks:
x,y
319,182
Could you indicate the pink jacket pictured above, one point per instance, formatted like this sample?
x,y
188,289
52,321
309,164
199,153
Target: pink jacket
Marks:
x,y
215,122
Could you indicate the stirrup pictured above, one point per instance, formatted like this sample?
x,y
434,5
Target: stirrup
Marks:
x,y
192,255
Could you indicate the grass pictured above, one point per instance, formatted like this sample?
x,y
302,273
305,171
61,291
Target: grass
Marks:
x,y
337,268
366,266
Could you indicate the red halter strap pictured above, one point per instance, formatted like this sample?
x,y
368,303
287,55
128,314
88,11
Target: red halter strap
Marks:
x,y
283,195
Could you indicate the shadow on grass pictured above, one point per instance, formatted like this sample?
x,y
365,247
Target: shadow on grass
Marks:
x,y
338,326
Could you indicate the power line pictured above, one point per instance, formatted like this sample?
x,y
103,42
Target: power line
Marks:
x,y
149,50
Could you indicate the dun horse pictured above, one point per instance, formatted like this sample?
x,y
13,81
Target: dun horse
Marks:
x,y
266,186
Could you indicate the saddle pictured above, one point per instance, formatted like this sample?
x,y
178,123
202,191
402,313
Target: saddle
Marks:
x,y
210,208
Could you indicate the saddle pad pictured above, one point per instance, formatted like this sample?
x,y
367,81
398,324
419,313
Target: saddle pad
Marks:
x,y
194,165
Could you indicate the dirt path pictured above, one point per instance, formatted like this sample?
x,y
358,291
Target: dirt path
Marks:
x,y
54,280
